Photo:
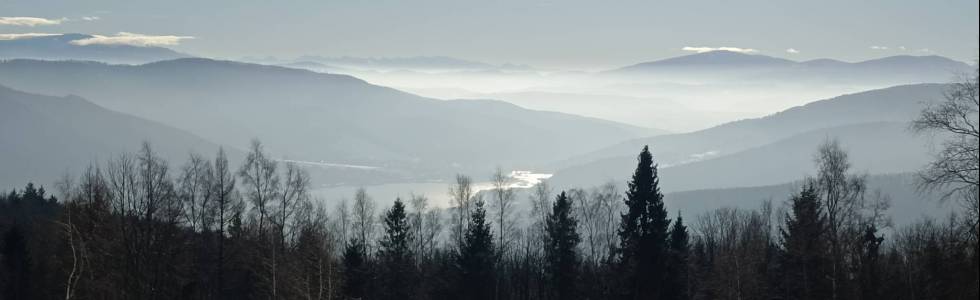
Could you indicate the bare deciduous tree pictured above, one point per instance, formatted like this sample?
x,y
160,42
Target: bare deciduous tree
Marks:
x,y
609,201
843,196
225,201
419,205
432,228
540,207
314,269
736,243
143,196
194,189
293,196
461,195
503,210
955,166
260,182
426,225
588,210
66,188
364,222
342,223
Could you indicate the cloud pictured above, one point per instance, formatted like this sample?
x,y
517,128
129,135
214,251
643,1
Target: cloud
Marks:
x,y
132,39
17,36
93,18
709,49
879,47
29,21
925,50
792,51
901,48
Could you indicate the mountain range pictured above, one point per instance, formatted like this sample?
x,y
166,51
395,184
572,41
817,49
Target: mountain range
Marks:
x,y
733,66
328,121
310,116
65,47
873,125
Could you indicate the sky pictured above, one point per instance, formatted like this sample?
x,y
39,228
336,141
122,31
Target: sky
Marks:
x,y
551,34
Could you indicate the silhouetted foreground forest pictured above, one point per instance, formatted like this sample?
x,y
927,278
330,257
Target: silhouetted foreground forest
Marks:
x,y
134,228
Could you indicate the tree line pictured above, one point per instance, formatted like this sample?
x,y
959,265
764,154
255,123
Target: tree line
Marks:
x,y
135,228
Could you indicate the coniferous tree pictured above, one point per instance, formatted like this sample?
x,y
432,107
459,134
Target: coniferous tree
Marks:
x,y
643,233
356,273
476,258
868,269
676,284
16,264
805,249
395,255
561,239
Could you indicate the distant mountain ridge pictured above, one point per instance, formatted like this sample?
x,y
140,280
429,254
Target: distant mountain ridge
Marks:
x,y
417,62
723,58
894,104
711,58
323,117
385,64
738,67
883,147
61,47
854,118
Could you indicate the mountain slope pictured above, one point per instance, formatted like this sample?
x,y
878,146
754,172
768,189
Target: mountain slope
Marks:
x,y
907,204
41,137
323,117
895,104
740,67
714,59
61,47
418,63
876,148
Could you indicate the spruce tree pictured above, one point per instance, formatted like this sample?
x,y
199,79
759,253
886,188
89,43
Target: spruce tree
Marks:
x,y
395,255
643,233
675,286
561,239
355,270
868,269
805,249
475,259
15,270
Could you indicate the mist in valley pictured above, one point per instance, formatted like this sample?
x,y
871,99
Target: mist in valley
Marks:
x,y
505,150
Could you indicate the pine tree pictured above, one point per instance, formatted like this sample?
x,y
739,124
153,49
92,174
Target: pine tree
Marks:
x,y
805,249
675,285
561,239
475,259
395,255
643,233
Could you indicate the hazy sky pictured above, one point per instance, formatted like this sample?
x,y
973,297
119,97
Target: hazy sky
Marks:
x,y
561,34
